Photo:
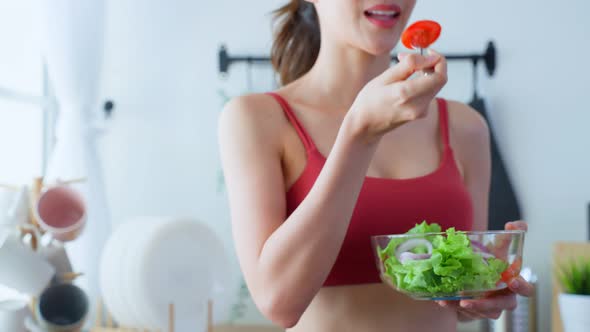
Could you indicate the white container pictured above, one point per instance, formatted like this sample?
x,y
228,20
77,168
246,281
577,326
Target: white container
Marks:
x,y
21,268
13,315
575,312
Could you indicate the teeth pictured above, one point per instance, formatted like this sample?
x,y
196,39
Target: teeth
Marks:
x,y
382,12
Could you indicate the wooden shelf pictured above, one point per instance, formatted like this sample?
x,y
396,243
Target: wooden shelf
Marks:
x,y
103,314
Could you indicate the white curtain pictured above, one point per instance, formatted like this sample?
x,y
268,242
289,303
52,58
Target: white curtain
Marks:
x,y
72,33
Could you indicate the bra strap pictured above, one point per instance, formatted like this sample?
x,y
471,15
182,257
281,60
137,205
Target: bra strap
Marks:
x,y
307,141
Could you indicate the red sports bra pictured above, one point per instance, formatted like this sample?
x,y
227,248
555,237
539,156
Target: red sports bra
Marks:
x,y
386,206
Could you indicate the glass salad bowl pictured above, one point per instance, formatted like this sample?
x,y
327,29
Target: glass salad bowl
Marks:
x,y
427,264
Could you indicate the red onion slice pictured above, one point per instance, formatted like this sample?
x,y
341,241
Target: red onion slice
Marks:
x,y
410,256
402,252
486,255
479,247
413,243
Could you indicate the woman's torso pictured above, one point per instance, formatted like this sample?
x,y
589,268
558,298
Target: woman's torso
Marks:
x,y
373,308
407,159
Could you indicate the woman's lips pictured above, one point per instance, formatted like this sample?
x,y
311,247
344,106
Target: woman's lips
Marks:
x,y
383,16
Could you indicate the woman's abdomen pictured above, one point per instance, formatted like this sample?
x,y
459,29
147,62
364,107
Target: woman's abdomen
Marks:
x,y
373,308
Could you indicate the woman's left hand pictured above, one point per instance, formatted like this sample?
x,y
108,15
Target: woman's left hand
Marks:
x,y
492,306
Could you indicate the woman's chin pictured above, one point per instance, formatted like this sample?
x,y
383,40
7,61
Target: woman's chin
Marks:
x,y
378,49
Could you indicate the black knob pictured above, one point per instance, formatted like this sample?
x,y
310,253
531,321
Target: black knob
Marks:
x,y
108,107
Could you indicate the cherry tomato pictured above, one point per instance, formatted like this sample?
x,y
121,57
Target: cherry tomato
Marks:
x,y
512,271
421,34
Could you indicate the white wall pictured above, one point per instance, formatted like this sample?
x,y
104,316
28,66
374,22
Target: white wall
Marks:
x,y
160,152
20,70
20,123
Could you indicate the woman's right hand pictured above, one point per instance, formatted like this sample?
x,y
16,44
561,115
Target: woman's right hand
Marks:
x,y
391,100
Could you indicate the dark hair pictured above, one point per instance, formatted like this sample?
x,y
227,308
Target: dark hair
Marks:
x,y
296,39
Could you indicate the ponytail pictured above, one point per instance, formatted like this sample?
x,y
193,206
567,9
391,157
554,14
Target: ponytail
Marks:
x,y
296,40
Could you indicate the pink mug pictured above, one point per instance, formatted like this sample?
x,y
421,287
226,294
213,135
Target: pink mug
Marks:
x,y
61,211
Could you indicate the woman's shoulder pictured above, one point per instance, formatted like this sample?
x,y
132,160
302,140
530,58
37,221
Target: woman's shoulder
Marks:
x,y
257,106
253,115
466,124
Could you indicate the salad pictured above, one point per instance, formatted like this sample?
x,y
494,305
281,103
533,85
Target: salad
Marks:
x,y
441,263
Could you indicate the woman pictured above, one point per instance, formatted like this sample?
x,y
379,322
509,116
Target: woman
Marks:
x,y
347,148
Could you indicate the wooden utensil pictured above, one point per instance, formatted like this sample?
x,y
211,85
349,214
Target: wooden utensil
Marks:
x,y
66,182
10,187
35,193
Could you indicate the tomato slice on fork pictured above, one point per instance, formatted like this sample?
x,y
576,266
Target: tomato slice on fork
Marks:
x,y
421,34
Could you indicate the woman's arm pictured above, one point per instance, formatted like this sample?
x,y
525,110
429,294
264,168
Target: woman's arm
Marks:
x,y
285,261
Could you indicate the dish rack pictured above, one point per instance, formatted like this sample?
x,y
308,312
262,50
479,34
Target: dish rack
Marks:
x,y
32,232
104,321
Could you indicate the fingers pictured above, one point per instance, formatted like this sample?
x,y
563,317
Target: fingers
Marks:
x,y
470,311
493,306
501,246
440,66
474,315
490,305
408,65
448,304
423,85
516,226
521,287
500,249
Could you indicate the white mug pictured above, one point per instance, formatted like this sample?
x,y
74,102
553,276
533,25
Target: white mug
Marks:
x,y
61,211
12,315
21,268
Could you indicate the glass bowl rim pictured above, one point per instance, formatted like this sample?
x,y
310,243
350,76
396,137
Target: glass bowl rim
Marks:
x,y
510,232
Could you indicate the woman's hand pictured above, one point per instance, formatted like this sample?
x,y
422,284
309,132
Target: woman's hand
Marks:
x,y
492,306
390,99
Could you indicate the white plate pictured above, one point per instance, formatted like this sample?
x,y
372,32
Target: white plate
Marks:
x,y
151,261
111,270
181,261
134,316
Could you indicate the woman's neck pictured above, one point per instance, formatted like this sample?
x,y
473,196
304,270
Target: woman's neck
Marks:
x,y
339,74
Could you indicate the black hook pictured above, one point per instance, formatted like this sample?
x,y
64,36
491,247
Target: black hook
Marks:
x,y
489,58
224,60
108,108
475,94
249,82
